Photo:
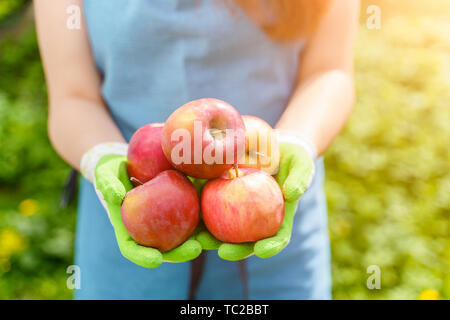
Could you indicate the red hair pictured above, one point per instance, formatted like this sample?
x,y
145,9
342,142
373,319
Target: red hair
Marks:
x,y
285,20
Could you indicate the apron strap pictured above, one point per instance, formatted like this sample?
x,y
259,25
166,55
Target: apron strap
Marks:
x,y
69,189
197,267
244,277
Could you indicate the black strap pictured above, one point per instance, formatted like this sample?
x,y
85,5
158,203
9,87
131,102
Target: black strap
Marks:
x,y
69,189
197,267
244,277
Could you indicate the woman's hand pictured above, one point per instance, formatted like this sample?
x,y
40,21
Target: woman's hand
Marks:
x,y
111,183
294,176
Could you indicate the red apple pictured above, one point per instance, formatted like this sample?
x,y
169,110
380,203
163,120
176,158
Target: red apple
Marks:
x,y
145,156
204,138
243,208
163,212
261,146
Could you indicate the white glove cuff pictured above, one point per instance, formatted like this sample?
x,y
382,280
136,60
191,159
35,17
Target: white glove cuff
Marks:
x,y
303,142
90,158
299,140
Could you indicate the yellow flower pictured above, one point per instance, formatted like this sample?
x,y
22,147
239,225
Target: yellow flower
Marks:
x,y
429,294
28,207
11,242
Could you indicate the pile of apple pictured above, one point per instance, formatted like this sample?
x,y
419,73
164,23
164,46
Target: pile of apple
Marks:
x,y
241,202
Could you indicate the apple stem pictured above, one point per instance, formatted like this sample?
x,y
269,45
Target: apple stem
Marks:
x,y
261,154
236,170
214,131
136,181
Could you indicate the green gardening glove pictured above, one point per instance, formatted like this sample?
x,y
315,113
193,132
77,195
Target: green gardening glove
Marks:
x,y
295,173
112,183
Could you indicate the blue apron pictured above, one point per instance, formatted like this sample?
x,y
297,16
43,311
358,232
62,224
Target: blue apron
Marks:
x,y
154,56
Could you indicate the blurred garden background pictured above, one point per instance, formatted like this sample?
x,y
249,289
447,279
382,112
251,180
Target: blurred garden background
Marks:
x,y
388,174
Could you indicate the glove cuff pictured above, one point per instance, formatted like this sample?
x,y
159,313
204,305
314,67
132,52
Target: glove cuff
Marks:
x,y
300,140
90,158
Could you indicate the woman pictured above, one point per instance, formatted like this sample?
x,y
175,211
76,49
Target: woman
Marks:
x,y
134,62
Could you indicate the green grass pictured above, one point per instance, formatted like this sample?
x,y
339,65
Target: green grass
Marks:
x,y
388,174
